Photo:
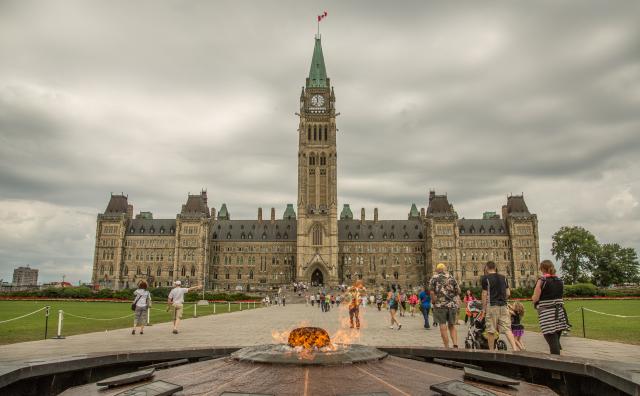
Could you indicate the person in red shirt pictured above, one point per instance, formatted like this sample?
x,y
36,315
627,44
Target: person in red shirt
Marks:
x,y
413,301
468,297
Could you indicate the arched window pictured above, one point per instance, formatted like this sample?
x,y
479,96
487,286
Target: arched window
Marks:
x,y
226,274
264,235
111,270
102,269
309,133
325,132
148,271
396,276
183,271
315,133
251,274
317,235
159,271
193,271
239,274
125,270
138,271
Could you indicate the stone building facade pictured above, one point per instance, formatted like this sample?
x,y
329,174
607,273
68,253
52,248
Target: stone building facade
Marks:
x,y
313,244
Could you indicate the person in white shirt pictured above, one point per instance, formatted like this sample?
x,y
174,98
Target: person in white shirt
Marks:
x,y
176,301
141,303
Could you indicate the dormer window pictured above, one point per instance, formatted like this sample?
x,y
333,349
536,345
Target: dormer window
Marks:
x,y
162,230
132,230
228,235
142,230
152,230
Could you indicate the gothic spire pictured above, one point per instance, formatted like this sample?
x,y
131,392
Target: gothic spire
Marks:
x,y
318,72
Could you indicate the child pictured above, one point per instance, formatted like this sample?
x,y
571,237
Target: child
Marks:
x,y
517,312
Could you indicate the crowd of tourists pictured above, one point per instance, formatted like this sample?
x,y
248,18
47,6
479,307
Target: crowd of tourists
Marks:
x,y
488,316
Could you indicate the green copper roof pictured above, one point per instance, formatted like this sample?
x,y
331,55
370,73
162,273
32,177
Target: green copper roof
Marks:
x,y
318,72
289,213
223,214
346,213
413,213
490,215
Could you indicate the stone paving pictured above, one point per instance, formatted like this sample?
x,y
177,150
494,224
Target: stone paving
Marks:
x,y
255,327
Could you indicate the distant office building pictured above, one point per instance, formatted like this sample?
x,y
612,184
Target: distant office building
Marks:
x,y
25,276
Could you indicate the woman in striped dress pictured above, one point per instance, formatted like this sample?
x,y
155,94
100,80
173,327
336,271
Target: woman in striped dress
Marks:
x,y
547,298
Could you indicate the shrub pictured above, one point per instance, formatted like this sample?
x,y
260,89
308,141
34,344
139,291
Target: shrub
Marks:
x,y
104,293
522,292
580,290
626,292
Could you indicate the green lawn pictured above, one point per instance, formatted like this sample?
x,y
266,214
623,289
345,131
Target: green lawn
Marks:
x,y
597,326
33,327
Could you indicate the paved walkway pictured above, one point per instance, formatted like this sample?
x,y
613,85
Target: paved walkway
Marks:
x,y
261,325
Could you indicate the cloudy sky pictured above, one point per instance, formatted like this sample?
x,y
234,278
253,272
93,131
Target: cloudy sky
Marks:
x,y
157,99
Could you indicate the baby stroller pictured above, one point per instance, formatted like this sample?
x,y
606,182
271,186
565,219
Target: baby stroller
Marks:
x,y
475,337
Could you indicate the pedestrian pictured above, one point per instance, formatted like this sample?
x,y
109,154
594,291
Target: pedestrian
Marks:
x,y
516,310
313,299
425,305
403,301
547,299
356,294
495,292
306,299
444,295
413,301
468,298
323,299
333,300
338,300
141,304
394,302
379,301
284,300
175,301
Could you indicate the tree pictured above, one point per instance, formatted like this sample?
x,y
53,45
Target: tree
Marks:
x,y
577,250
616,265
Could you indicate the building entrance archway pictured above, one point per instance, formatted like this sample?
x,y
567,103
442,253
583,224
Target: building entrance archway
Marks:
x,y
317,278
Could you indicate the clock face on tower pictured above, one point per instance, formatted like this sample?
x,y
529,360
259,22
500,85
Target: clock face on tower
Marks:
x,y
317,100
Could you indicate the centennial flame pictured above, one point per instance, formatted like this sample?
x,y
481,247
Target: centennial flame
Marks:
x,y
309,338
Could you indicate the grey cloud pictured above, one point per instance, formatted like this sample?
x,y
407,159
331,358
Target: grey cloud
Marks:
x,y
160,99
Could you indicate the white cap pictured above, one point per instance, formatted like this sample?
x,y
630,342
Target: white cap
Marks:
x,y
177,283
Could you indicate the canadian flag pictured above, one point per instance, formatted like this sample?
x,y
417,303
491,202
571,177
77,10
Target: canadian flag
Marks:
x,y
322,16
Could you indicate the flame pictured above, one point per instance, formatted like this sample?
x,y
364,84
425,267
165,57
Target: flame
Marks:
x,y
309,338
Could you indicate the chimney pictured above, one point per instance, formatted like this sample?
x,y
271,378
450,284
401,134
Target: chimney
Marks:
x,y
362,214
273,215
375,215
260,215
213,213
130,211
504,211
432,194
422,212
